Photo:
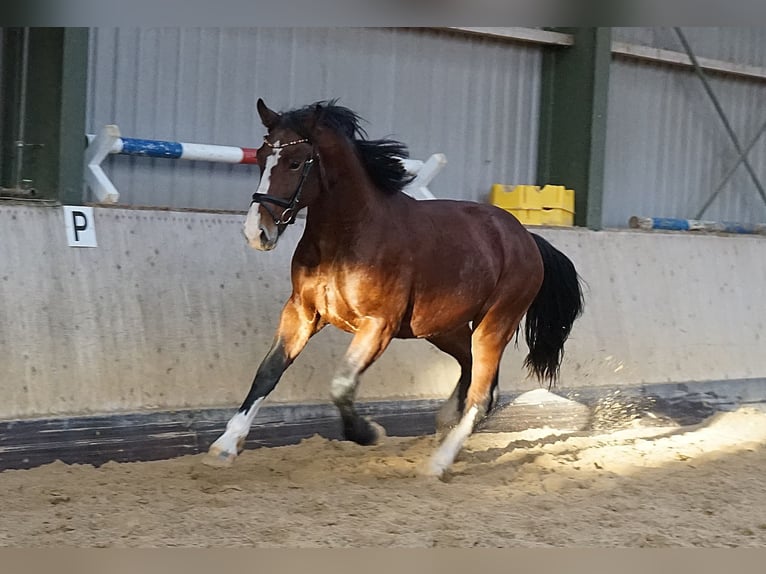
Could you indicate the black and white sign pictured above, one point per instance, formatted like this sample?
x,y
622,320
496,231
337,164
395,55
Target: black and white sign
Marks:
x,y
80,226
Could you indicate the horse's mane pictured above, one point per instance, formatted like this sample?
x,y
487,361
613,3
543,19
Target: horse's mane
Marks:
x,y
379,157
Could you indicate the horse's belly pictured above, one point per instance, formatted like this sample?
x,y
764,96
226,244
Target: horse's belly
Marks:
x,y
419,313
435,315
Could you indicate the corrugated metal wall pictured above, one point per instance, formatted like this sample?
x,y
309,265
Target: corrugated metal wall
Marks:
x,y
475,99
740,45
667,149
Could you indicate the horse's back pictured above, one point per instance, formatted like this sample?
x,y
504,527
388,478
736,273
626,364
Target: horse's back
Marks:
x,y
478,226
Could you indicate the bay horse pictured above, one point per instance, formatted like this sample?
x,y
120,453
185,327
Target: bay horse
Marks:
x,y
379,264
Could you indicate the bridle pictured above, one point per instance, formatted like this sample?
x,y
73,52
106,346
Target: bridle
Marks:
x,y
290,205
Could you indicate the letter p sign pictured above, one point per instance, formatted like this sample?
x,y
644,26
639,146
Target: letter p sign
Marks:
x,y
80,228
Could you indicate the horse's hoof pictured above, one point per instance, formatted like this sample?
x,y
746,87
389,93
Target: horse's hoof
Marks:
x,y
433,470
364,431
219,458
380,432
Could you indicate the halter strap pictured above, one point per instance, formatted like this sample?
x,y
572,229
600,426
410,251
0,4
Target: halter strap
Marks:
x,y
290,206
280,146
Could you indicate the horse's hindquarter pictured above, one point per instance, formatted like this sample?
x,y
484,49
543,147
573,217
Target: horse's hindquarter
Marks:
x,y
468,256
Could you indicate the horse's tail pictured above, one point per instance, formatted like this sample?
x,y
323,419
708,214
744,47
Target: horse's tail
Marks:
x,y
551,315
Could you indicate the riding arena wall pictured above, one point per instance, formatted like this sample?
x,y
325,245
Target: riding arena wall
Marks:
x,y
173,310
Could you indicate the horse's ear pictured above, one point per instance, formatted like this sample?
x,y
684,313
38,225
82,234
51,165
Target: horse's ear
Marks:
x,y
268,117
315,117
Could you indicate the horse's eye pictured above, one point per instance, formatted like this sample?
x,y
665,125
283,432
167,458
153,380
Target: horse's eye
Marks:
x,y
294,165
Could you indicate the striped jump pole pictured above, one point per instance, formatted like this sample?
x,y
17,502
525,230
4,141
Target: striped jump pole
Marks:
x,y
673,224
110,141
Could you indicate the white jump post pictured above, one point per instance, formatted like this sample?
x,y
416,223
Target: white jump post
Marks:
x,y
95,176
424,173
109,141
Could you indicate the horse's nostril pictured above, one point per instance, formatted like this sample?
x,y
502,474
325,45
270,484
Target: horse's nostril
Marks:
x,y
264,237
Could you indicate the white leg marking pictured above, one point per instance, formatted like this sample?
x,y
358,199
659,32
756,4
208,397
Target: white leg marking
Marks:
x,y
445,455
236,431
341,385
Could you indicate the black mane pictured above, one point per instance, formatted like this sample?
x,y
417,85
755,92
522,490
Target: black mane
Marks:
x,y
379,157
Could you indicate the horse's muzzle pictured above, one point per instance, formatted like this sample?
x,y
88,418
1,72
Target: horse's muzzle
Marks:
x,y
265,242
257,232
262,242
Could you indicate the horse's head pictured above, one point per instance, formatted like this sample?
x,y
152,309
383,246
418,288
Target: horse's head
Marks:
x,y
289,180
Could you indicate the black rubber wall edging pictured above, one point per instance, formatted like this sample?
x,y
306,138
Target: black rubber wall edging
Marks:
x,y
125,437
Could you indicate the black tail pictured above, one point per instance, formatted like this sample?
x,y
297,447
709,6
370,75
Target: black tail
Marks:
x,y
552,313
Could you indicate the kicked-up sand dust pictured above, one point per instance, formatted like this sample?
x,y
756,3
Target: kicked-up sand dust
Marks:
x,y
637,486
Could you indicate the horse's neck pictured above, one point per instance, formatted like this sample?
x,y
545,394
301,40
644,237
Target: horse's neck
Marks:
x,y
340,217
348,205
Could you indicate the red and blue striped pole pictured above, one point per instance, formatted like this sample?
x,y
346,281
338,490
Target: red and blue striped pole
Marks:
x,y
180,150
110,141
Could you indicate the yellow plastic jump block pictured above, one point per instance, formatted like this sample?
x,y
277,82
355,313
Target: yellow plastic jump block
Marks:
x,y
532,205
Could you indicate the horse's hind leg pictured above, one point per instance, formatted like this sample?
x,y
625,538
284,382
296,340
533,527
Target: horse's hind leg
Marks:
x,y
488,341
457,344
371,339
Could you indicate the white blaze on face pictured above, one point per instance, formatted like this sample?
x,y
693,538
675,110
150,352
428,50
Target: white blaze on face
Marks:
x,y
271,162
253,223
253,220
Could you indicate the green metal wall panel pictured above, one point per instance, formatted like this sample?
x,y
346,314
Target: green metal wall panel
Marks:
x,y
44,96
573,119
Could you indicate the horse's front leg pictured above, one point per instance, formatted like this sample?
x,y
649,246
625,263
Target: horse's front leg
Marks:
x,y
371,339
296,326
